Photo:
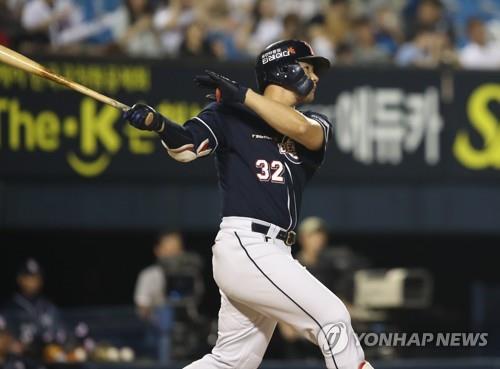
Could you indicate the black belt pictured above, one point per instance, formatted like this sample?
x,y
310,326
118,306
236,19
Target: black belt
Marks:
x,y
287,237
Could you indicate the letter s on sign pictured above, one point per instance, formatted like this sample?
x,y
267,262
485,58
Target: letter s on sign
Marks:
x,y
486,125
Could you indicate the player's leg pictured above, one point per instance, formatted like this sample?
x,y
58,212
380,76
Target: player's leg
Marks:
x,y
277,285
243,336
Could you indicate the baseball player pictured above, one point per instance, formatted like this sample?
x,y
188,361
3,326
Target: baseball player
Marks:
x,y
266,151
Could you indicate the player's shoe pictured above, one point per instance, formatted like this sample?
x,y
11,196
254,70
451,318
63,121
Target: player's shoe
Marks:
x,y
365,365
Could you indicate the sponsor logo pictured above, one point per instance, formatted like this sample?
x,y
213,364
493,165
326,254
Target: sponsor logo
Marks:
x,y
260,137
379,125
276,54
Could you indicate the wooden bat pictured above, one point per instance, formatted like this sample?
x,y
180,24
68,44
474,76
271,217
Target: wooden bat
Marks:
x,y
19,61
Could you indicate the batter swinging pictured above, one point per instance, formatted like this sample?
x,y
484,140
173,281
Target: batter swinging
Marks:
x,y
266,151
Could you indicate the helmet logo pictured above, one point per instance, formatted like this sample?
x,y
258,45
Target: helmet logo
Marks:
x,y
276,54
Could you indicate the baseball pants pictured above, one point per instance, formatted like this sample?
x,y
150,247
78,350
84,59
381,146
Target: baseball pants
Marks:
x,y
260,283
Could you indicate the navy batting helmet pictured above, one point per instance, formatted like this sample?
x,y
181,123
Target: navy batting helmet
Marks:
x,y
273,63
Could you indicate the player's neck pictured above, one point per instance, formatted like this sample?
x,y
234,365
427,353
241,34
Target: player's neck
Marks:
x,y
281,95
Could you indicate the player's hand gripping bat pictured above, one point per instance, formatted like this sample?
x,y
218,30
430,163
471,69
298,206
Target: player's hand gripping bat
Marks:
x,y
19,61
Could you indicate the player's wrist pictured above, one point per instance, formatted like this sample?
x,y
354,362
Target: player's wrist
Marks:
x,y
158,123
162,129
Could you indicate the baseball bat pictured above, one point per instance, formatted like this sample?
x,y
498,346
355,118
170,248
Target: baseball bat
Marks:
x,y
19,61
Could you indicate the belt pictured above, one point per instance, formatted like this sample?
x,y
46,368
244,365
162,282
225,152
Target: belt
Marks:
x,y
287,237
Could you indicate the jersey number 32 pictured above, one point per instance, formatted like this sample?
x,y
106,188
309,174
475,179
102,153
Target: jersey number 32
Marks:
x,y
270,171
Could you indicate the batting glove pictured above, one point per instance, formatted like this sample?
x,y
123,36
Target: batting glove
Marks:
x,y
144,117
227,91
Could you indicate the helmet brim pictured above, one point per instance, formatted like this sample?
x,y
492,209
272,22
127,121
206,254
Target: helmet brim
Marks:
x,y
320,63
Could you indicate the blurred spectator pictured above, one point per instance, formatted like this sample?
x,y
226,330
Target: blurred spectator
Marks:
x,y
427,49
429,14
462,10
366,50
479,52
220,23
365,32
14,7
167,295
6,341
158,284
338,21
95,29
292,27
195,44
240,10
36,320
265,27
388,33
99,18
68,25
6,20
319,39
306,9
11,351
420,51
134,29
332,266
48,20
344,55
150,288
171,21
84,23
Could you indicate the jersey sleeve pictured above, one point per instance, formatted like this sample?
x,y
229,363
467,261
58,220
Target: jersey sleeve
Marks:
x,y
206,129
327,126
198,137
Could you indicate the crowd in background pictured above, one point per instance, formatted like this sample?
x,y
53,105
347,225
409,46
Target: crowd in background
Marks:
x,y
419,33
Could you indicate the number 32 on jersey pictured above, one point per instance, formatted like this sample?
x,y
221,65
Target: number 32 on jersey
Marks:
x,y
270,171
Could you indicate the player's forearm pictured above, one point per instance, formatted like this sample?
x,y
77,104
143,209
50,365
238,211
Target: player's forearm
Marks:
x,y
181,142
174,135
282,118
285,120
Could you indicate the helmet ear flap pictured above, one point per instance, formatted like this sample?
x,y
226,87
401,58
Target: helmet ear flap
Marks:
x,y
283,73
288,76
271,76
279,75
